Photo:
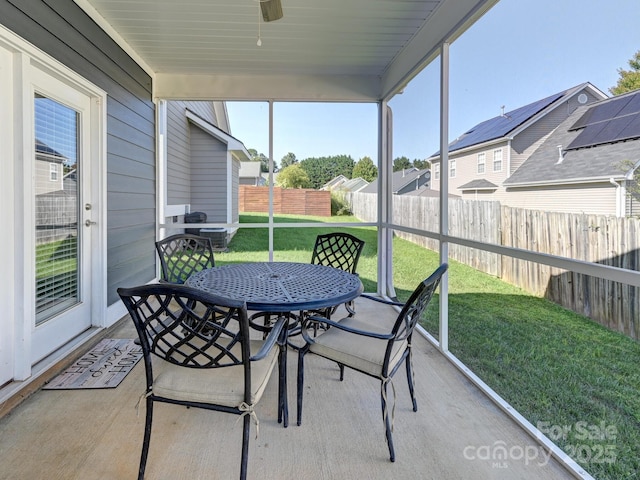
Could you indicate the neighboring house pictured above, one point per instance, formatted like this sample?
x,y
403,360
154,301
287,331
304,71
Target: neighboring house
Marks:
x,y
353,185
334,182
404,181
203,162
428,192
49,169
586,165
485,156
343,183
251,174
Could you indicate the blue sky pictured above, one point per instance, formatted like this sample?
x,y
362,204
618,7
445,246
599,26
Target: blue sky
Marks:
x,y
519,52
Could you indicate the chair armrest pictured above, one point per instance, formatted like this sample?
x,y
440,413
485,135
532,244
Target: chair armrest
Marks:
x,y
272,338
382,300
341,326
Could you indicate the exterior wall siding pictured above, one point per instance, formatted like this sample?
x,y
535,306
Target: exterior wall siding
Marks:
x,y
61,29
178,155
235,191
208,175
467,168
594,199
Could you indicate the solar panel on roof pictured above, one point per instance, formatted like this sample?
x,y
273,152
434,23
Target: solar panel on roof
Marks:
x,y
632,107
610,131
602,112
583,121
586,136
500,126
632,130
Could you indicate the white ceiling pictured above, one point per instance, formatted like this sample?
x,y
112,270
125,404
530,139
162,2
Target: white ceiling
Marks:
x,y
320,49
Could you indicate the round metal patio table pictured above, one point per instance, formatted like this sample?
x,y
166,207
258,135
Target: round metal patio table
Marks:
x,y
279,288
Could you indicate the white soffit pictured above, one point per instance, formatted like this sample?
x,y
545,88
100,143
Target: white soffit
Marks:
x,y
321,50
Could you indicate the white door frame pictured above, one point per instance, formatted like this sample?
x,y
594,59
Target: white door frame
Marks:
x,y
17,208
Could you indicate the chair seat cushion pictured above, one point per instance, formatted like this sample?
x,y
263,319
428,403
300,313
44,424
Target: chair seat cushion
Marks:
x,y
362,353
220,386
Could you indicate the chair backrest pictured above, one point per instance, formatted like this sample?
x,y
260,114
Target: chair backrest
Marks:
x,y
182,255
418,301
189,327
338,250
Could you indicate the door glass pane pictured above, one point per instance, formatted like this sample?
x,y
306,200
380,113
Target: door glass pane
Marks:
x,y
56,207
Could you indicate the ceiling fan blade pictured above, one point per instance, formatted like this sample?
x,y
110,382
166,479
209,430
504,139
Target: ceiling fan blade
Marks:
x,y
271,10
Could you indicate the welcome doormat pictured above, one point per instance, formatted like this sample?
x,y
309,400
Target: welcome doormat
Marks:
x,y
104,366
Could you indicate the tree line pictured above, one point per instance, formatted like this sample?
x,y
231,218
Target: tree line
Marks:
x,y
314,172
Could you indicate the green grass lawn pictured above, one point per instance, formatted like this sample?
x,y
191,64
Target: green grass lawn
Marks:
x,y
56,258
576,380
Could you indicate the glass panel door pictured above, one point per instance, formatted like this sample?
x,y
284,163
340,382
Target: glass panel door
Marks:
x,y
61,222
56,208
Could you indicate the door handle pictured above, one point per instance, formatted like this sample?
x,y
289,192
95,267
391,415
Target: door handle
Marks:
x,y
88,223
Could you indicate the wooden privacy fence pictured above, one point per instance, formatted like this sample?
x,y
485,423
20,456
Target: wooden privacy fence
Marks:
x,y
593,238
56,216
295,201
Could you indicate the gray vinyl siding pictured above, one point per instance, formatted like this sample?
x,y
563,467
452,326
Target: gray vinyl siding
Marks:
x,y
527,141
178,155
594,199
61,29
179,148
235,187
208,175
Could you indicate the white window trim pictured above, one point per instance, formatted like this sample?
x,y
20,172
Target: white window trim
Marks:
x,y
436,171
495,152
482,163
452,168
53,172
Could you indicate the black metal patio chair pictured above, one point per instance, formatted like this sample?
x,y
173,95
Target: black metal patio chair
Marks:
x,y
193,361
337,250
371,346
182,255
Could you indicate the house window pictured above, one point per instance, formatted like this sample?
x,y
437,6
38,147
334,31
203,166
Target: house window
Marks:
x,y
53,172
481,162
497,160
452,168
436,171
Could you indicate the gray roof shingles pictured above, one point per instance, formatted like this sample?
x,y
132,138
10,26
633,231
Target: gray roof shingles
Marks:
x,y
599,161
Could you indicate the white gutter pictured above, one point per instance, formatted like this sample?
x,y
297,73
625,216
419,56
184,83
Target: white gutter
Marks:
x,y
618,197
559,182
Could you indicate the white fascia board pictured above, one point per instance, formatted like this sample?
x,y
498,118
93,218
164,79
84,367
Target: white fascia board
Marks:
x,y
233,144
450,20
478,146
557,104
115,36
573,181
241,155
326,88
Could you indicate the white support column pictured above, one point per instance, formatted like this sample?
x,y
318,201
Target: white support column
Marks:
x,y
271,180
444,193
385,251
161,170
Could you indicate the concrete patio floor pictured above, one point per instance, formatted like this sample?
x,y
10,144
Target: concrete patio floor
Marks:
x,y
96,434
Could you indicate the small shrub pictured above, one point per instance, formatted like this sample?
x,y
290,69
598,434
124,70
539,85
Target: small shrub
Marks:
x,y
339,205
